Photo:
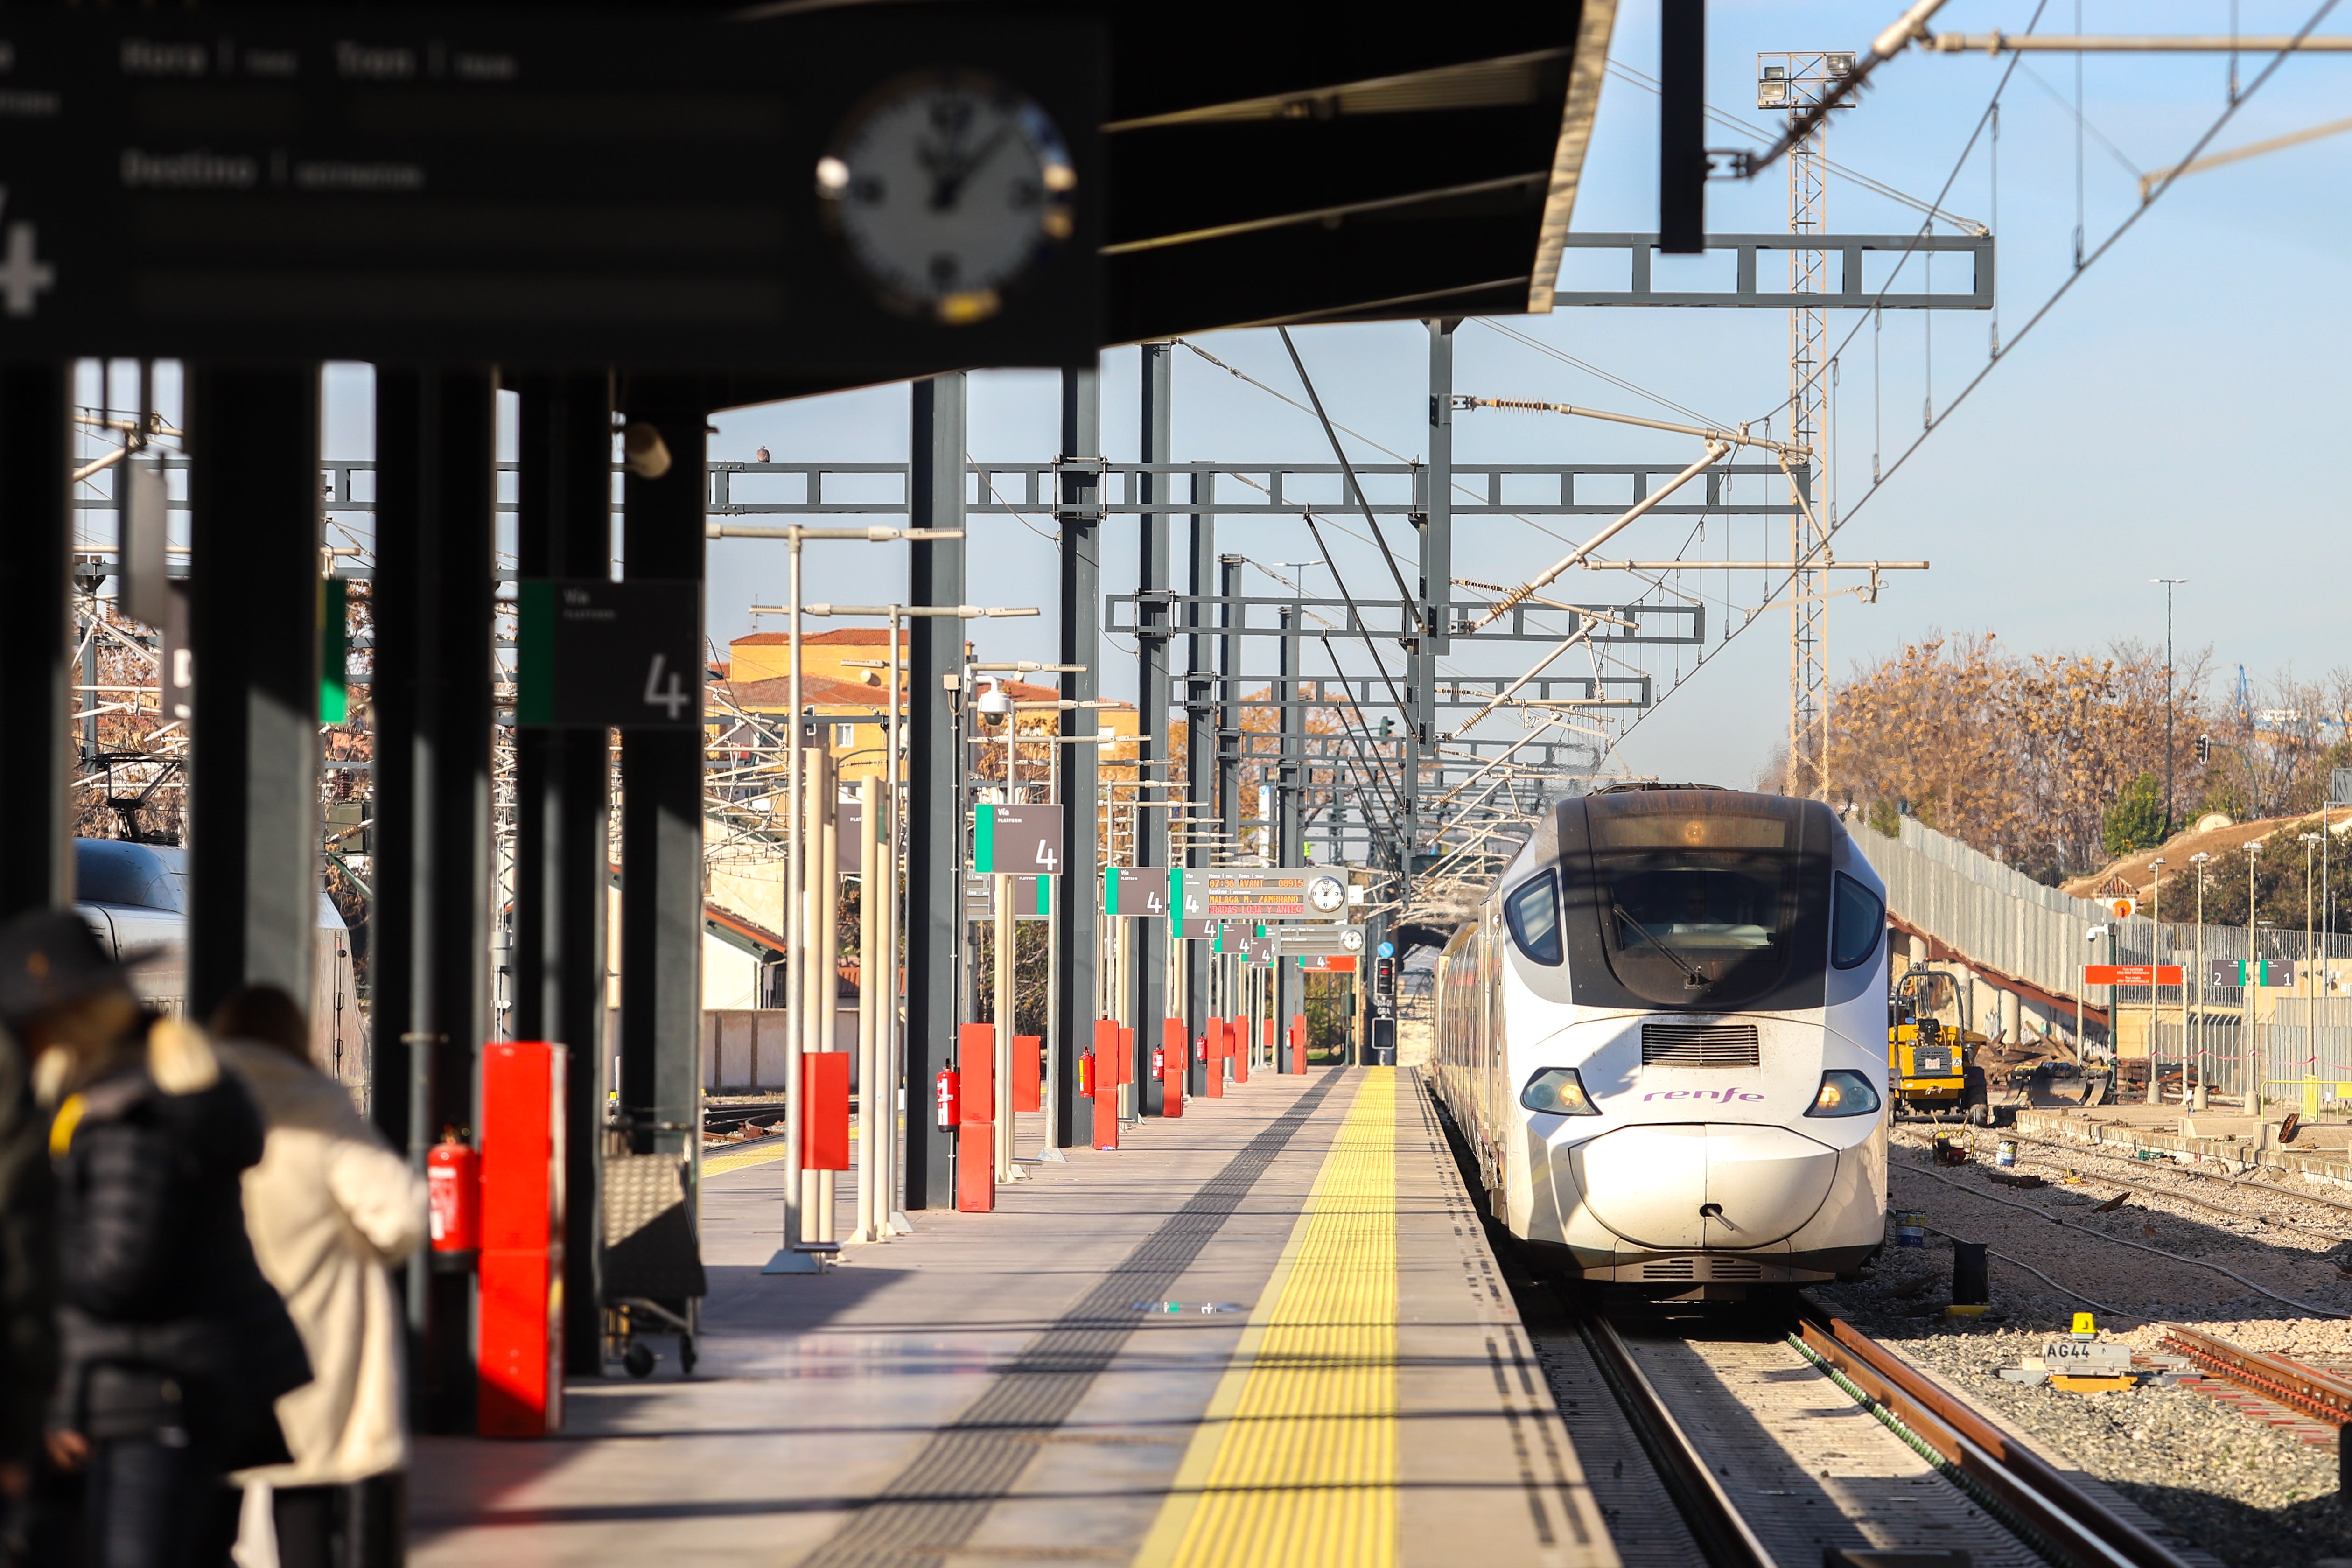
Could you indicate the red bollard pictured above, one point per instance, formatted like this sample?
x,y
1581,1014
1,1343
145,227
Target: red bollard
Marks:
x,y
519,1387
825,1111
1213,1046
1028,1072
1106,1084
1298,1042
1172,1072
1237,1043
976,1137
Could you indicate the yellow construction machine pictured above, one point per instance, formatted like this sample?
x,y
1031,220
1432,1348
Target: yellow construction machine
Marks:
x,y
1932,1049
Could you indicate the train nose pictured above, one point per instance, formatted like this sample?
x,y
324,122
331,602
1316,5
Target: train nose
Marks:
x,y
1703,1185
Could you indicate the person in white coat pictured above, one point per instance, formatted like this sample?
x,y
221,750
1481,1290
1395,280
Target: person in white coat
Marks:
x,y
331,1208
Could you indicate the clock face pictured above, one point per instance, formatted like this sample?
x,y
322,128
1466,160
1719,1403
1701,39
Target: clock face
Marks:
x,y
1352,939
946,191
1325,894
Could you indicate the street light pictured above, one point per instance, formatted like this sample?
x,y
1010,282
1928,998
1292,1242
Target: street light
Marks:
x,y
2155,959
878,1125
2198,860
804,1013
2170,583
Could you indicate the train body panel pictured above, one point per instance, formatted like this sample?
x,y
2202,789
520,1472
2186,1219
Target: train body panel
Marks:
x,y
133,896
1663,1035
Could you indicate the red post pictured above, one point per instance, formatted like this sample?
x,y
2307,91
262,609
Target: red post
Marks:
x,y
1237,1042
825,1111
1028,1083
1106,1084
1214,1047
1171,1073
976,1138
1298,1042
1126,1055
521,1388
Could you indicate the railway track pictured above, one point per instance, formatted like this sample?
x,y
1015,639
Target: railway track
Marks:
x,y
1736,1429
2313,1403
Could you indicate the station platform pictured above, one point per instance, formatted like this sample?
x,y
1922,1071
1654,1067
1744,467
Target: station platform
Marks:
x,y
1268,1332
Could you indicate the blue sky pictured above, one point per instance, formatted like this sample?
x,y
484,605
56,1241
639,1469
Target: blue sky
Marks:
x,y
2170,416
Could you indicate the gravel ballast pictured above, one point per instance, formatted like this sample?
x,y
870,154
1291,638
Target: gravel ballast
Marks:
x,y
2254,1496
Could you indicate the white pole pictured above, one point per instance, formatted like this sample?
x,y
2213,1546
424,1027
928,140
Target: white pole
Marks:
x,y
1004,1020
893,1210
824,907
1055,1046
873,1081
795,931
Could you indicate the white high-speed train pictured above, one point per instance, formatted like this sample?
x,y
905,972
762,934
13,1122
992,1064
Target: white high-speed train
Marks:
x,y
1664,1037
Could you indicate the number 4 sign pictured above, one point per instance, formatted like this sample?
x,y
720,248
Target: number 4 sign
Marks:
x,y
593,654
1024,840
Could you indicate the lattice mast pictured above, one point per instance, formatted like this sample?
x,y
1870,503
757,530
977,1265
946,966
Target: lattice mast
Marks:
x,y
1794,83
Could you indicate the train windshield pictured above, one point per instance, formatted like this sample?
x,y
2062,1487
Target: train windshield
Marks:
x,y
1696,907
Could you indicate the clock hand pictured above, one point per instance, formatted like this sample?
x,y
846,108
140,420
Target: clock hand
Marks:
x,y
948,182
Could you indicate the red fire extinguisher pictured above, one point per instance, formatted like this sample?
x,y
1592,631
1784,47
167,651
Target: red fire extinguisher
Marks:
x,y
452,1183
1086,1075
949,1089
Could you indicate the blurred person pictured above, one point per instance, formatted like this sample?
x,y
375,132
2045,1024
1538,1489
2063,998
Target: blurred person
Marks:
x,y
173,1349
29,1287
332,1209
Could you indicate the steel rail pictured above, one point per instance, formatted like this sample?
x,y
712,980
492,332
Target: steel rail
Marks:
x,y
1722,1534
2322,1396
2079,1531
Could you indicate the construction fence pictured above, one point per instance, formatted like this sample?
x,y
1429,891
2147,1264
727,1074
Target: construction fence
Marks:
x,y
2287,1036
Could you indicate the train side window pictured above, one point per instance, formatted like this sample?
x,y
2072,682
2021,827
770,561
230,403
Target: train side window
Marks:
x,y
1534,914
1858,920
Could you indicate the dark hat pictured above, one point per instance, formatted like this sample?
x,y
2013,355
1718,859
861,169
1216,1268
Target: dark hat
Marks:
x,y
48,958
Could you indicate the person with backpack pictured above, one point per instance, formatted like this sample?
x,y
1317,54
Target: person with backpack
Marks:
x,y
173,1348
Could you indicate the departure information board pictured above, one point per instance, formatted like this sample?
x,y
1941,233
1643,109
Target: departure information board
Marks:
x,y
1247,893
851,191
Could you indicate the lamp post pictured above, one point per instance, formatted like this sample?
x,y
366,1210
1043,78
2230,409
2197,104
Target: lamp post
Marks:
x,y
2170,583
2155,958
2198,860
875,1131
794,1257
881,1215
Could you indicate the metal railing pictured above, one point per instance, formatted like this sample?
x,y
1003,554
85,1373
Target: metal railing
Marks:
x,y
2294,1048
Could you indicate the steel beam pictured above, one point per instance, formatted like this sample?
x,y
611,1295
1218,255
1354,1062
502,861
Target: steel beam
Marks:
x,y
1390,620
661,810
562,854
1078,934
253,627
1852,293
1229,676
1504,491
934,777
1289,822
1199,755
36,706
430,942
1153,626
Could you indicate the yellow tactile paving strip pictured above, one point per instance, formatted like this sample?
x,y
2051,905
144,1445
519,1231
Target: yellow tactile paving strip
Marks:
x,y
1295,1462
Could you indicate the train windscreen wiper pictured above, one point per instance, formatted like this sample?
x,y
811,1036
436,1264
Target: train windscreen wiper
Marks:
x,y
1691,977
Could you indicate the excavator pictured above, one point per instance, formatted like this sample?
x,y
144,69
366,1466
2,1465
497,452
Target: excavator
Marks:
x,y
1932,1049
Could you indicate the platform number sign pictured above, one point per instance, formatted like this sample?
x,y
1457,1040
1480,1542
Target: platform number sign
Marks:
x,y
1021,840
1136,890
594,653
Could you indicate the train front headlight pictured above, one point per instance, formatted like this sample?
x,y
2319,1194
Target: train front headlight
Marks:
x,y
1844,1093
1558,1091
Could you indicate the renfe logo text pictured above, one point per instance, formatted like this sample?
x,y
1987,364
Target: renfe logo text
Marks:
x,y
1701,1094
